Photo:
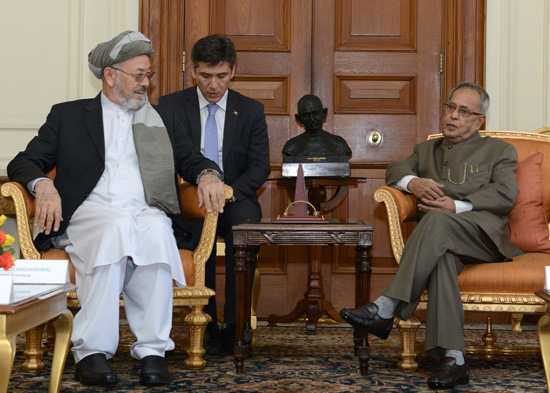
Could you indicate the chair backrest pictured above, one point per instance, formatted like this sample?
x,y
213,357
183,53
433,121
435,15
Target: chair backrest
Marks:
x,y
526,144
52,172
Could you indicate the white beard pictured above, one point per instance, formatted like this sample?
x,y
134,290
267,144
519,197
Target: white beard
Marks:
x,y
127,98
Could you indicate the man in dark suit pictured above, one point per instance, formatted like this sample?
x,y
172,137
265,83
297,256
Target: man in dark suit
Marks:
x,y
230,129
117,159
466,188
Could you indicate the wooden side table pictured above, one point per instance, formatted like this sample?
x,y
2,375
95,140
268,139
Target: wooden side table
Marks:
x,y
543,329
336,233
42,304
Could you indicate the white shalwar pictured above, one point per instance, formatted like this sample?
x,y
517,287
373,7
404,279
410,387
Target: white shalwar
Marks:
x,y
119,244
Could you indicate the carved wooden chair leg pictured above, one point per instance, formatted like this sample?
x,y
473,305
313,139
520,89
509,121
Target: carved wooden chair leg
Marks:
x,y
179,315
516,322
407,331
33,354
196,320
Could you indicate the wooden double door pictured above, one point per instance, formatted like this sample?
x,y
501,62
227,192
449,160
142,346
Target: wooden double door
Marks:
x,y
381,67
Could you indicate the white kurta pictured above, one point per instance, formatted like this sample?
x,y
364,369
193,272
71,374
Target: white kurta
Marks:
x,y
115,221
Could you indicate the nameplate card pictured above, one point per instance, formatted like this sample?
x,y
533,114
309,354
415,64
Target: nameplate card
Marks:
x,y
39,271
6,289
547,278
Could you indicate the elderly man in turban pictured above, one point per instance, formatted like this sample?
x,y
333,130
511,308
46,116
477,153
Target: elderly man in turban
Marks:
x,y
112,207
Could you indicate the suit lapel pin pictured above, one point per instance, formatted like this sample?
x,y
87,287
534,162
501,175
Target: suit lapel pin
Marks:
x,y
235,113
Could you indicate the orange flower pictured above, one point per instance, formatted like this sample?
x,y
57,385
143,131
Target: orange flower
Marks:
x,y
6,260
2,237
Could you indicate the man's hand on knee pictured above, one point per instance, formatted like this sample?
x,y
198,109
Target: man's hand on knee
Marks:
x,y
47,207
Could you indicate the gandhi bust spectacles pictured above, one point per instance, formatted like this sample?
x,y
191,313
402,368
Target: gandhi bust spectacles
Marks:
x,y
137,77
462,110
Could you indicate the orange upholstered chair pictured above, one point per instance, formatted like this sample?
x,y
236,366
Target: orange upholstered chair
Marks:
x,y
493,287
195,295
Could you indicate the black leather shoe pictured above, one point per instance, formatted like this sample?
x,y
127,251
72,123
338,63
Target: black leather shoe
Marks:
x,y
366,318
448,374
212,340
154,371
228,338
94,370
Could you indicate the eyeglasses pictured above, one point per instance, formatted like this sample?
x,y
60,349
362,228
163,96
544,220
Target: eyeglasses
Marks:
x,y
138,77
450,107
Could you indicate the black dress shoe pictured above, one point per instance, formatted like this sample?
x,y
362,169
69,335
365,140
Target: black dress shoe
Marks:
x,y
228,338
448,374
366,318
212,340
154,371
94,370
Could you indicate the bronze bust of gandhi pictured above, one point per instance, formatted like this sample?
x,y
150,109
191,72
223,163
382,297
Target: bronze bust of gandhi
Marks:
x,y
315,142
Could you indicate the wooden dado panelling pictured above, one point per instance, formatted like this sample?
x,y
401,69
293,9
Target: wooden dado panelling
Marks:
x,y
374,94
258,26
270,90
375,64
368,25
253,25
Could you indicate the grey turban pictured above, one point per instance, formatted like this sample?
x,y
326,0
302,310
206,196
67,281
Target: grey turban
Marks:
x,y
124,46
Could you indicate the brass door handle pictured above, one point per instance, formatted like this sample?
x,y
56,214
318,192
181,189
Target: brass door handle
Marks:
x,y
375,138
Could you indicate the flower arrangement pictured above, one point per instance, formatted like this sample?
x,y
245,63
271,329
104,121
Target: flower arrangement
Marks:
x,y
6,255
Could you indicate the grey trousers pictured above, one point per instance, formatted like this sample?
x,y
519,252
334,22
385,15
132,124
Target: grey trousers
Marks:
x,y
433,257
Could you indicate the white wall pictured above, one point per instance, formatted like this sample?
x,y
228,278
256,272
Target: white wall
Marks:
x,y
518,64
44,59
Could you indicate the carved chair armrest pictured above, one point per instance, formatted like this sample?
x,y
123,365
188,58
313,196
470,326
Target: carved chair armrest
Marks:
x,y
401,207
24,214
190,200
190,209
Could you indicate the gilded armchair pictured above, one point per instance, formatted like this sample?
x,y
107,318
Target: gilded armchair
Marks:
x,y
506,287
195,295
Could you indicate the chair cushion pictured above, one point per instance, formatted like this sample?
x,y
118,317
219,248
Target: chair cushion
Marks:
x,y
525,274
188,267
528,223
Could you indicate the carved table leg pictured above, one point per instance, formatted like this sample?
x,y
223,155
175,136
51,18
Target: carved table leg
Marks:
x,y
241,309
248,333
362,287
7,353
63,327
314,304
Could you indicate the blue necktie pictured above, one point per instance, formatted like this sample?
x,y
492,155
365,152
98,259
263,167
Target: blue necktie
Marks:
x,y
211,134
